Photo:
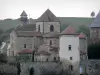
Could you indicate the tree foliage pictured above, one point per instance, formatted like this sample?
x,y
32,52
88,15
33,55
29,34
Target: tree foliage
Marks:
x,y
3,58
64,26
92,14
1,31
65,66
5,35
9,30
84,29
94,51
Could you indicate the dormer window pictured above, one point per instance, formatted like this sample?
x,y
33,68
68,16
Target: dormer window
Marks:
x,y
51,28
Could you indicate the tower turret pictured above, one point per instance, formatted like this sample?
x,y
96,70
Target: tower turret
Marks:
x,y
23,18
83,46
95,30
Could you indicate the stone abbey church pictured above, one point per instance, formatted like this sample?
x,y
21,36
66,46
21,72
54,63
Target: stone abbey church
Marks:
x,y
41,38
45,40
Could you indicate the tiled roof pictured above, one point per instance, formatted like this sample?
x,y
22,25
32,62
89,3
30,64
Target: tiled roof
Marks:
x,y
69,31
42,53
51,34
28,27
96,22
28,33
25,51
48,16
82,36
23,13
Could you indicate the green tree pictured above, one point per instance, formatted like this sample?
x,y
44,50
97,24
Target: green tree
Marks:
x,y
1,31
92,14
84,29
9,30
64,26
94,51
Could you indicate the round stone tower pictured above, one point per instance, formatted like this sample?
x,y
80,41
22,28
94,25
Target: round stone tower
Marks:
x,y
23,18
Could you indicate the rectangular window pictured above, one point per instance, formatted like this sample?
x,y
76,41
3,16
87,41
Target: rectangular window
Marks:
x,y
24,45
71,58
69,47
50,42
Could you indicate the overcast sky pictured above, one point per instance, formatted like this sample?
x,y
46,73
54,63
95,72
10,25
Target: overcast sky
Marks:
x,y
61,8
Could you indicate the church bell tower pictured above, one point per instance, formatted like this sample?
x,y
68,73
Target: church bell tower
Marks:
x,y
23,18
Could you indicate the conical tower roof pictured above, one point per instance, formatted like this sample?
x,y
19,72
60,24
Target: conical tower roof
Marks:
x,y
82,35
48,16
23,13
96,22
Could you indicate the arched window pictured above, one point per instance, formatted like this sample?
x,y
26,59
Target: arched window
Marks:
x,y
50,42
38,28
32,71
51,28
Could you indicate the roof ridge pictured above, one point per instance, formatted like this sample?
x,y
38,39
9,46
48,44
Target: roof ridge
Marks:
x,y
23,13
48,16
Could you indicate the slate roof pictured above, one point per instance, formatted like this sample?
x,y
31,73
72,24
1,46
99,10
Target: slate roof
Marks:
x,y
23,13
28,33
28,27
69,31
96,22
48,16
51,35
82,36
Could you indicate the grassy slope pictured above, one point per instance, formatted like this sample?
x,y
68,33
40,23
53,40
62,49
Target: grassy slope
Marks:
x,y
74,21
